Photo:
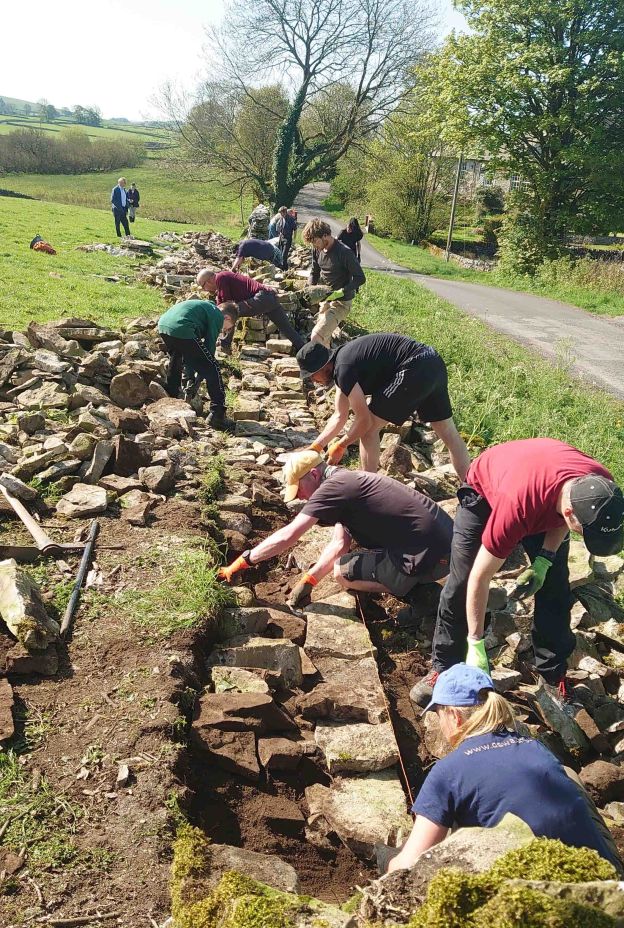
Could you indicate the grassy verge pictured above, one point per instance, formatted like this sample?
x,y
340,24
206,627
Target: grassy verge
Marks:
x,y
187,595
500,390
581,285
166,194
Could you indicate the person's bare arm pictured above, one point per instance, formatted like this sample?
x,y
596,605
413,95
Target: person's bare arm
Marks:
x,y
282,539
363,419
339,544
483,569
424,835
555,538
337,420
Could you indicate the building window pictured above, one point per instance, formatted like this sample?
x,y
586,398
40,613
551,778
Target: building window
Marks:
x,y
517,182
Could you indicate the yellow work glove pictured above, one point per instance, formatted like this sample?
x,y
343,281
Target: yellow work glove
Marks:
x,y
241,563
476,656
336,450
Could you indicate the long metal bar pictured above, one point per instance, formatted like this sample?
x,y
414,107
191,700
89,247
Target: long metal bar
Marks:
x,y
85,561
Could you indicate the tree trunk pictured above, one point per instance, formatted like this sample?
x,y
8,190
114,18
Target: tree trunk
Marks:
x,y
283,188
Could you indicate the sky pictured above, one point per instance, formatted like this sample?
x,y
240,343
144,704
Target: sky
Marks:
x,y
115,54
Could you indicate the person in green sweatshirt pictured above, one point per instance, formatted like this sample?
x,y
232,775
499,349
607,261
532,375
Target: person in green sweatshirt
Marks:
x,y
189,331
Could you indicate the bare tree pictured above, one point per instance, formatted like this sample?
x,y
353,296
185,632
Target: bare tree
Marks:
x,y
345,64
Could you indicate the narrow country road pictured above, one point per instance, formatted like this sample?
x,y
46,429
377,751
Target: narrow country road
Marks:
x,y
592,345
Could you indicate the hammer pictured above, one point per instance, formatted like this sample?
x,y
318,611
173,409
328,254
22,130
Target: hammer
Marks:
x,y
43,541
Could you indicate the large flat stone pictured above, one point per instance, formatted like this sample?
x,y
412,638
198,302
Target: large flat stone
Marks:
x,y
362,811
560,717
241,712
357,748
337,636
341,702
238,680
265,868
23,610
271,654
47,396
82,501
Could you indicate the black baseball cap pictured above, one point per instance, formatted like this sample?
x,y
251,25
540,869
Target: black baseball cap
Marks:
x,y
313,357
598,504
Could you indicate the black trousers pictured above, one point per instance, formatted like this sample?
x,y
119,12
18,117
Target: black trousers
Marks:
x,y
190,353
266,303
285,245
553,640
121,219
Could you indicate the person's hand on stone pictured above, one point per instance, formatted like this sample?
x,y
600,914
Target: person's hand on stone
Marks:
x,y
302,592
241,563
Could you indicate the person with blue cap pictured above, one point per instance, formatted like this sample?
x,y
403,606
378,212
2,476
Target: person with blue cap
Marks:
x,y
493,770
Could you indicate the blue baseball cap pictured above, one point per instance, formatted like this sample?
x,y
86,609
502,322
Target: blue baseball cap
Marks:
x,y
460,685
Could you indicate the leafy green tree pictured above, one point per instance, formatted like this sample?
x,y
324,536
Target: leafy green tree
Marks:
x,y
540,86
27,109
344,65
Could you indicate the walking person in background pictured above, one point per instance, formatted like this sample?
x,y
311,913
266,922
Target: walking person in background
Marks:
x,y
352,237
334,265
286,227
133,198
273,225
119,204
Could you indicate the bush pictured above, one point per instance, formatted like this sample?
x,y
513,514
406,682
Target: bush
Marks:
x,y
489,200
491,231
30,151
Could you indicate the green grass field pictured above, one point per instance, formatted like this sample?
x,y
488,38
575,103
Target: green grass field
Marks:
x,y
500,390
167,194
40,287
107,130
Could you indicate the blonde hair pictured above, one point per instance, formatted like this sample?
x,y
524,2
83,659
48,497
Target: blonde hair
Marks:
x,y
492,712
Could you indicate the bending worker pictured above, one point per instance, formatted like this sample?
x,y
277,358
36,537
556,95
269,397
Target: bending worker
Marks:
x,y
334,265
260,250
189,331
407,536
251,299
470,787
400,376
531,492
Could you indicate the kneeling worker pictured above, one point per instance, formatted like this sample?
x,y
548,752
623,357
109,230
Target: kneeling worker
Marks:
x,y
407,536
493,771
251,299
189,331
400,375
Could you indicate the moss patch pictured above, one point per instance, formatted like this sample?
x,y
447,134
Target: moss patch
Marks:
x,y
462,900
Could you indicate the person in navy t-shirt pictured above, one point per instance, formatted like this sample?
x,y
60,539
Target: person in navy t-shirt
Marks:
x,y
493,770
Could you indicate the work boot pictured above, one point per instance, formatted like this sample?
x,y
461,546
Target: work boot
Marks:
x,y
421,692
219,421
410,616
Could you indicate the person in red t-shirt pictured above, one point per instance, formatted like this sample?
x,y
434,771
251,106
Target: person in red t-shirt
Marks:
x,y
251,298
530,492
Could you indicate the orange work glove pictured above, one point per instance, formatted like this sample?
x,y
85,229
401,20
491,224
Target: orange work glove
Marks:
x,y
301,592
315,446
241,563
336,450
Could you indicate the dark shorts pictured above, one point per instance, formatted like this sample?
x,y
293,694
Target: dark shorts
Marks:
x,y
379,567
419,386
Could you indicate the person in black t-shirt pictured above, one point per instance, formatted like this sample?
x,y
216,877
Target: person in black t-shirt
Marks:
x,y
406,536
352,237
400,376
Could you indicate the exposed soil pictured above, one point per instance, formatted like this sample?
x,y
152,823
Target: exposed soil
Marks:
x,y
114,701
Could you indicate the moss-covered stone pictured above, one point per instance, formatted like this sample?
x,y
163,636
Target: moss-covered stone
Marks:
x,y
237,901
461,900
451,899
513,906
547,859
